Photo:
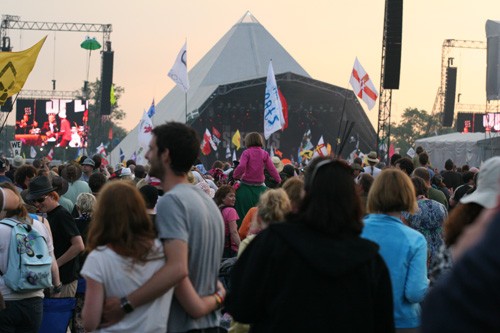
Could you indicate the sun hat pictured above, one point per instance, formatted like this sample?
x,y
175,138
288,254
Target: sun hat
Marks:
x,y
488,185
277,163
17,161
38,187
126,172
89,161
372,157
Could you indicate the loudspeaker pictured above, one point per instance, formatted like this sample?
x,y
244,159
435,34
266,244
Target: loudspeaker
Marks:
x,y
449,96
7,106
106,81
393,38
493,69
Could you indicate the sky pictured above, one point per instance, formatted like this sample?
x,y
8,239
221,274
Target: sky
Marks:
x,y
324,36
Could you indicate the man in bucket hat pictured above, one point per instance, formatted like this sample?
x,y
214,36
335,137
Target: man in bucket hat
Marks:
x,y
68,243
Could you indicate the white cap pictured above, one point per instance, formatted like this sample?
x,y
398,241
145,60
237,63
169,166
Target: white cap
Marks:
x,y
488,185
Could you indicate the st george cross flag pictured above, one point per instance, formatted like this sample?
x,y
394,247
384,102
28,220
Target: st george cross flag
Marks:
x,y
321,149
362,85
145,128
152,109
273,111
179,73
101,150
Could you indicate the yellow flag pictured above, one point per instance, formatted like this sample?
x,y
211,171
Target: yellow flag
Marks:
x,y
237,139
112,97
15,68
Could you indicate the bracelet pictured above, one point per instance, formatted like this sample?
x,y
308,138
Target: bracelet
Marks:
x,y
221,296
218,300
57,289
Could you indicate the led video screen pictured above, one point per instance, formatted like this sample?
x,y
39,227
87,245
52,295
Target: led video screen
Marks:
x,y
56,122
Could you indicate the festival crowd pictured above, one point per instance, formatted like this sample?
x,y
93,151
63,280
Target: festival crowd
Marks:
x,y
253,245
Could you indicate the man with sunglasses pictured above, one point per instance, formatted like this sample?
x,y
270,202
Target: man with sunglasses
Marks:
x,y
68,243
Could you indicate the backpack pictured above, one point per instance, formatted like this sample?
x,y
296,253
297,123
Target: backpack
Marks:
x,y
29,262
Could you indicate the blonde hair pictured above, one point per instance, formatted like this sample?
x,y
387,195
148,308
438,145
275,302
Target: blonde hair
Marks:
x,y
273,206
294,188
85,202
392,191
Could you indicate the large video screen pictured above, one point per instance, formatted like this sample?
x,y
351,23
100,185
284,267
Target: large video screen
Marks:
x,y
478,122
57,122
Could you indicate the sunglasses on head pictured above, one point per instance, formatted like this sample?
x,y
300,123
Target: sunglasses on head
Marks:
x,y
40,200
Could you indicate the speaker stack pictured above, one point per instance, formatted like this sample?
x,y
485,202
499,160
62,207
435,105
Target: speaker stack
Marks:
x,y
449,96
393,39
106,79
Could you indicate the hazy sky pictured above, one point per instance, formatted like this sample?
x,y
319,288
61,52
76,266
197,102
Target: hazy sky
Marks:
x,y
324,36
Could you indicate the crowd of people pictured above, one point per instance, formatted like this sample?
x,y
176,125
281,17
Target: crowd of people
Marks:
x,y
328,246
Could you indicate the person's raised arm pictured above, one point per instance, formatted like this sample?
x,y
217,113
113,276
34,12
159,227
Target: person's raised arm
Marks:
x,y
174,270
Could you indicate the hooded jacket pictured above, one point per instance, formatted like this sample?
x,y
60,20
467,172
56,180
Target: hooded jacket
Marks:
x,y
294,279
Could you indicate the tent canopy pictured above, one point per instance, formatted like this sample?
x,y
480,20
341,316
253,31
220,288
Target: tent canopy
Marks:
x,y
461,148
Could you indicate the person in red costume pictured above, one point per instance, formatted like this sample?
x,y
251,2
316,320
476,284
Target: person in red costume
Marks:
x,y
65,132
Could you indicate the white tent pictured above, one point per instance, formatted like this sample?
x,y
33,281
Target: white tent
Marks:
x,y
462,148
243,53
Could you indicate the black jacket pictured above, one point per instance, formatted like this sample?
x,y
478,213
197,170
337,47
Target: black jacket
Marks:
x,y
294,279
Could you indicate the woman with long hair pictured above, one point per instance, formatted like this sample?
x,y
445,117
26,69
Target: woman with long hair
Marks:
x,y
314,273
24,310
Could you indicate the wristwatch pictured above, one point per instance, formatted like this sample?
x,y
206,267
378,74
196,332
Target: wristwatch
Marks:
x,y
125,305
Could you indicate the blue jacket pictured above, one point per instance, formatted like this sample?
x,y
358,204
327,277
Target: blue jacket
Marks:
x,y
405,253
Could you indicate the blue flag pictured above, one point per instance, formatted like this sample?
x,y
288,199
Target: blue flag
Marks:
x,y
122,155
152,110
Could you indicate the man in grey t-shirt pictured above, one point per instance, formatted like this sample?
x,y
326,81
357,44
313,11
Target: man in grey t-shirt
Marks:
x,y
192,230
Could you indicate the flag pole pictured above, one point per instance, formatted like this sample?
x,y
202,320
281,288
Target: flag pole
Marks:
x,y
186,104
337,142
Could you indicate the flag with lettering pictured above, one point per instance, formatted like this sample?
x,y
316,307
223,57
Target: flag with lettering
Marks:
x,y
362,85
15,68
273,111
215,136
179,73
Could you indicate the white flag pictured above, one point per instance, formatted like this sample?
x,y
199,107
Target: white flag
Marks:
x,y
179,73
145,129
320,148
228,151
234,155
362,85
32,152
273,111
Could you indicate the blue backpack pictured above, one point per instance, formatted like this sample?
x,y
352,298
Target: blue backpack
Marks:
x,y
29,262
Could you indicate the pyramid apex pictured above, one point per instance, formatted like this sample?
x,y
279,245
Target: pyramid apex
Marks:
x,y
248,18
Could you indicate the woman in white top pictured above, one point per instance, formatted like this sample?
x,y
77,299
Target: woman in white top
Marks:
x,y
124,254
23,312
